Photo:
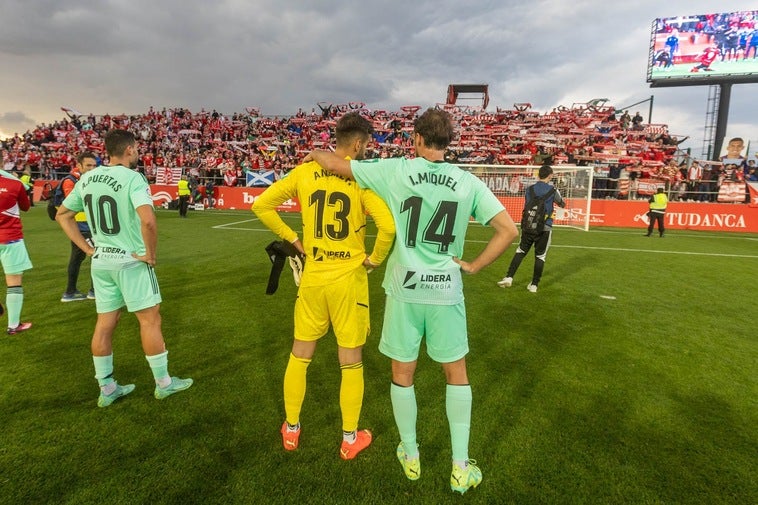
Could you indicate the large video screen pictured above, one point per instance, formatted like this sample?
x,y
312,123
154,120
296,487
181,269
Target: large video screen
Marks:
x,y
703,49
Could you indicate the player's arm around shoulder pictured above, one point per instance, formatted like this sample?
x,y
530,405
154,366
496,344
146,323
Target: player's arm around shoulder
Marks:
x,y
264,206
385,225
331,162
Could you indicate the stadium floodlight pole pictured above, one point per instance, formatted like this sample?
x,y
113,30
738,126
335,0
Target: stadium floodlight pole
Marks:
x,y
650,109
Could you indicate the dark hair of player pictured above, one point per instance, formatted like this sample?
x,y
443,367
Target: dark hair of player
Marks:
x,y
545,170
116,142
350,126
436,128
85,155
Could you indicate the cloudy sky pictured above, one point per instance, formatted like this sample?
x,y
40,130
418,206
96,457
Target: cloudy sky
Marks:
x,y
125,56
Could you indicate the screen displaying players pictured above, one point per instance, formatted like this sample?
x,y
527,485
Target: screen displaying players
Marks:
x,y
706,47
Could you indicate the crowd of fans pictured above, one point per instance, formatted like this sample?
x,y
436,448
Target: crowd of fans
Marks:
x,y
211,146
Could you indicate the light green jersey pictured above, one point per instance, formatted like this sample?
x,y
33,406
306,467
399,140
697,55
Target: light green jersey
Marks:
x,y
109,197
431,204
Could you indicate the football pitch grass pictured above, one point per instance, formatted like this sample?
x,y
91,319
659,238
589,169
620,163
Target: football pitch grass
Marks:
x,y
718,69
629,377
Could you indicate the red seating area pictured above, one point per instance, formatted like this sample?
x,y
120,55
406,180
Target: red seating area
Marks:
x,y
211,144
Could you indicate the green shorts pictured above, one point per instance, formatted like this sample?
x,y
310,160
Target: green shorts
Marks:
x,y
14,257
135,287
405,324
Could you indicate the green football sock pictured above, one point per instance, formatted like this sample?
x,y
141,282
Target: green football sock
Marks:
x,y
103,369
14,300
159,366
458,405
405,410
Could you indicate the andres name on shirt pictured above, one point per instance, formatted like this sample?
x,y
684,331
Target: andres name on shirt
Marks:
x,y
324,173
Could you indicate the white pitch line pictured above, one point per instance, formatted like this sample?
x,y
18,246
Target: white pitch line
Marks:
x,y
229,226
621,249
242,229
687,253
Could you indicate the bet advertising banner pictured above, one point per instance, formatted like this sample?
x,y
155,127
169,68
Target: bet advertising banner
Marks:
x,y
679,215
629,214
232,198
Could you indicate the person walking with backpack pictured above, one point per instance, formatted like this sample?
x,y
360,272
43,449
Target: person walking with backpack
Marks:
x,y
536,227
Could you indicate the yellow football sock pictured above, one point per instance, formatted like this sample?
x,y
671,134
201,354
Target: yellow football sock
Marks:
x,y
294,388
351,395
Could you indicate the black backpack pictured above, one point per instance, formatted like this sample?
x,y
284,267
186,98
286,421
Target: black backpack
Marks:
x,y
534,216
57,197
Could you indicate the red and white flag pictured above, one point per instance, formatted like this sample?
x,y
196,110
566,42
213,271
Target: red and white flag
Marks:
x,y
71,112
656,129
732,192
753,188
164,175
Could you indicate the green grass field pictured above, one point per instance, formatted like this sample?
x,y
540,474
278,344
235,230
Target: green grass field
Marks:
x,y
718,67
630,377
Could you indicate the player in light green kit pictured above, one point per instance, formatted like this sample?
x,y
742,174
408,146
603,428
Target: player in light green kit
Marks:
x,y
119,210
431,202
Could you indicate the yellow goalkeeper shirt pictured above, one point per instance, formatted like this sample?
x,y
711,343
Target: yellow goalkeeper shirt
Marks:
x,y
333,211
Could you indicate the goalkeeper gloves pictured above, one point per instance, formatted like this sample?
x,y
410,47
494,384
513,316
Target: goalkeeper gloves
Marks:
x,y
297,264
277,251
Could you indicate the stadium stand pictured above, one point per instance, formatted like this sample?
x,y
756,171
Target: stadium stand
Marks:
x,y
225,148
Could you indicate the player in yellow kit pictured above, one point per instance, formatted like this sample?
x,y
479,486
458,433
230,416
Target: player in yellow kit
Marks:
x,y
334,285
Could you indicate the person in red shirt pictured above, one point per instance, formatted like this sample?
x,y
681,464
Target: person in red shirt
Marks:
x,y
13,254
147,160
230,177
709,56
67,160
33,158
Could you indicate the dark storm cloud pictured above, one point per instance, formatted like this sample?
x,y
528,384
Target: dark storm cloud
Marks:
x,y
279,56
15,122
53,29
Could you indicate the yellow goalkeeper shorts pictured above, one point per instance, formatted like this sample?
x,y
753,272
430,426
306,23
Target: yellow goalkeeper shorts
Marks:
x,y
343,303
